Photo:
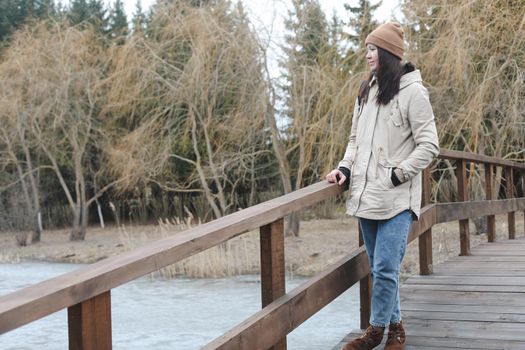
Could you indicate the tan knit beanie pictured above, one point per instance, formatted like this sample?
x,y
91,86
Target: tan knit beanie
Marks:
x,y
389,37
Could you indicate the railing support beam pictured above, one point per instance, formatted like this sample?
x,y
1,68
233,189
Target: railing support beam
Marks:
x,y
365,292
509,177
89,323
425,240
523,185
489,193
464,233
273,267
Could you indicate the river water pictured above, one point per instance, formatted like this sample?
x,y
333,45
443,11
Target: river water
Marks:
x,y
178,314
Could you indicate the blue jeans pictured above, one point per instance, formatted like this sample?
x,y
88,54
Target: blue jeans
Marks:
x,y
385,243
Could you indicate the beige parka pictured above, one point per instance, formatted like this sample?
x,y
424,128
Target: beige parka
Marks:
x,y
401,134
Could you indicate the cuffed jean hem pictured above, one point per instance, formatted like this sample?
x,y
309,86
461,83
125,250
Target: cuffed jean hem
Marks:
x,y
378,325
384,325
395,321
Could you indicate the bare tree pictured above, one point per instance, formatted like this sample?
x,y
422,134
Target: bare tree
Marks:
x,y
201,67
62,110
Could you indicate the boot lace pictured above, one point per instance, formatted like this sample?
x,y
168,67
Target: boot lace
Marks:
x,y
394,335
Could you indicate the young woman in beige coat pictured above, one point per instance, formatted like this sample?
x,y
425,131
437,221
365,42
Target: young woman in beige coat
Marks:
x,y
393,138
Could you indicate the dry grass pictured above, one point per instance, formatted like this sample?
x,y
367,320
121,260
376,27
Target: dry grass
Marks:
x,y
472,60
322,242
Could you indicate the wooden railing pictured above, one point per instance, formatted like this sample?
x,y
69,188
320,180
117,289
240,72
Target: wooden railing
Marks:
x,y
86,292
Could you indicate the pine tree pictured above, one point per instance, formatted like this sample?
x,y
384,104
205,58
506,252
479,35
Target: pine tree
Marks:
x,y
78,12
46,9
9,17
335,31
139,19
308,27
361,22
14,13
118,22
306,50
98,16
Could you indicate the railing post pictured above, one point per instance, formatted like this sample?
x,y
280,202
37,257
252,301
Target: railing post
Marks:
x,y
272,266
365,293
489,193
89,323
510,194
425,239
523,185
464,234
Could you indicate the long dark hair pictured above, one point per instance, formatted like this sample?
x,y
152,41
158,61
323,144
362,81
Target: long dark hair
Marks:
x,y
388,76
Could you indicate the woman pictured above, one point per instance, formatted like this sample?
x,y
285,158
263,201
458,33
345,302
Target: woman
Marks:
x,y
393,138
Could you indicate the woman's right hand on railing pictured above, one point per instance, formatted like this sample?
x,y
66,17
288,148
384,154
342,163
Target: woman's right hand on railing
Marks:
x,y
336,176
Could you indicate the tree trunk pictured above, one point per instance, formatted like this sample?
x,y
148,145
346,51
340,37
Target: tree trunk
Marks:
x,y
37,228
84,221
100,216
76,233
293,224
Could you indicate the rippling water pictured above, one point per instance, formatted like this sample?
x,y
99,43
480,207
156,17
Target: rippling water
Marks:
x,y
177,314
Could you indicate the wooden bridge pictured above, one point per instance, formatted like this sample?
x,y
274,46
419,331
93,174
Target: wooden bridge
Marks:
x,y
469,302
475,301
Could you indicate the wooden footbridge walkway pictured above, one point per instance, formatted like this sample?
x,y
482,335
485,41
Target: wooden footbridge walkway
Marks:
x,y
475,301
469,302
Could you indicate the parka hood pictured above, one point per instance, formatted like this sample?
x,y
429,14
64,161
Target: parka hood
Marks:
x,y
410,78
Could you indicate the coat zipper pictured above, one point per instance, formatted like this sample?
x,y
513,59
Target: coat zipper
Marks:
x,y
369,158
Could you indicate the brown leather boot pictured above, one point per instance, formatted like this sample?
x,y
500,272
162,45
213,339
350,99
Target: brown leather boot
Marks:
x,y
369,340
396,337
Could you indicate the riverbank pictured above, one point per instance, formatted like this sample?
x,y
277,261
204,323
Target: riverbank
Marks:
x,y
321,243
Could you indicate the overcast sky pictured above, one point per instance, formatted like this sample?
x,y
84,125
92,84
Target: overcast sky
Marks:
x,y
265,10
268,17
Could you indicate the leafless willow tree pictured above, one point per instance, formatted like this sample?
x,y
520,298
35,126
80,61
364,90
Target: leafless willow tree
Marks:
x,y
189,100
471,54
55,76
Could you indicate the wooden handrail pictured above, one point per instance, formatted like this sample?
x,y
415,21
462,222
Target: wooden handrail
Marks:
x,y
478,158
42,299
86,291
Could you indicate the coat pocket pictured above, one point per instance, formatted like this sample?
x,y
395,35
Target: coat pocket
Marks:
x,y
395,116
384,172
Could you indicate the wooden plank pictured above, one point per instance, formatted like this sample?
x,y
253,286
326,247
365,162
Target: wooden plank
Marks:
x,y
474,280
272,267
508,258
481,272
431,307
464,233
272,262
518,240
446,212
427,219
489,193
89,324
365,292
467,329
478,158
39,300
509,177
408,288
500,253
264,328
415,341
418,342
501,265
465,316
464,298
425,240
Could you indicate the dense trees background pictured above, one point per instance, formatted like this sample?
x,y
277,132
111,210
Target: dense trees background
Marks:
x,y
174,113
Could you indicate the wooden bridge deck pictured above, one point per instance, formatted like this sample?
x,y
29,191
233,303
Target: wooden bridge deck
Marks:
x,y
470,302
